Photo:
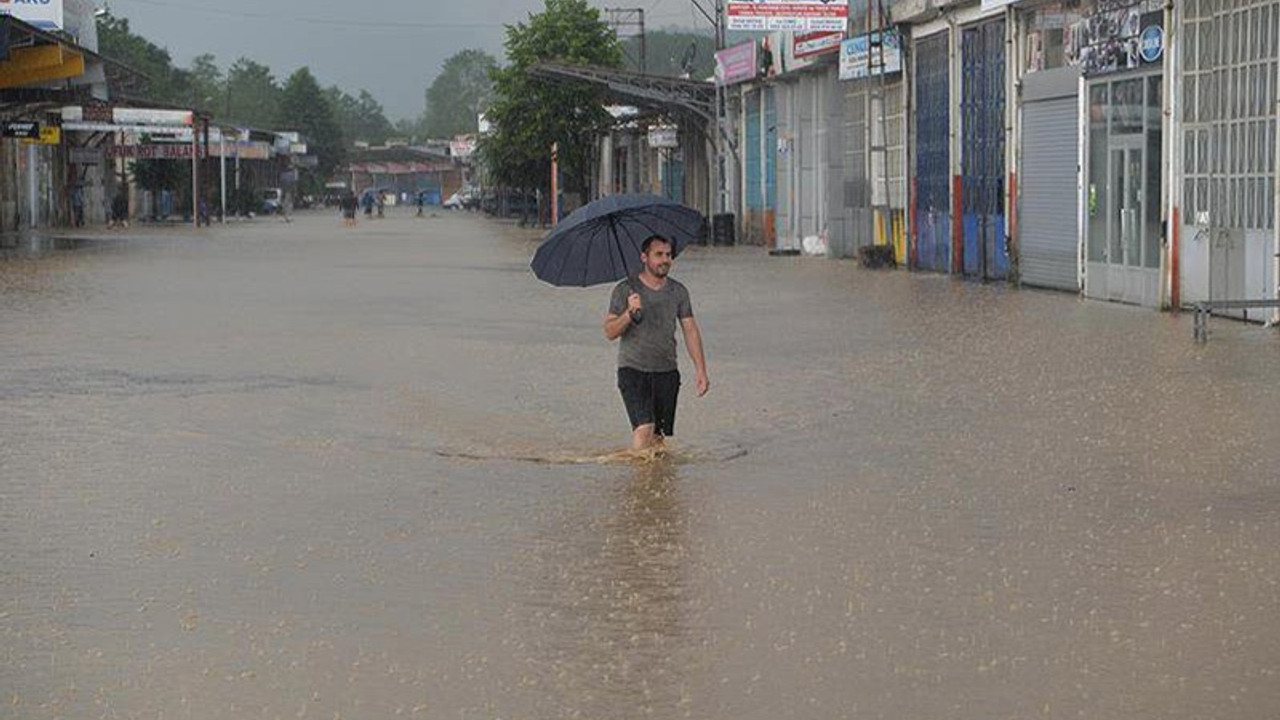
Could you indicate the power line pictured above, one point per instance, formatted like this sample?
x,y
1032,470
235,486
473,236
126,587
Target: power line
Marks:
x,y
247,14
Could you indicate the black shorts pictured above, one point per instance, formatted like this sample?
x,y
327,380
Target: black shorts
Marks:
x,y
650,398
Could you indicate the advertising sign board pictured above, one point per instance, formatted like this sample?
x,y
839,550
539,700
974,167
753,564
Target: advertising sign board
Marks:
x,y
44,14
462,147
737,64
881,55
791,15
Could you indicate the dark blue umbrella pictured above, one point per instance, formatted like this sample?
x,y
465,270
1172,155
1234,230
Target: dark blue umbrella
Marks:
x,y
600,242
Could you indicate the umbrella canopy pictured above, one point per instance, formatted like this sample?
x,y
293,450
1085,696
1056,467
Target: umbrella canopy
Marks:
x,y
600,242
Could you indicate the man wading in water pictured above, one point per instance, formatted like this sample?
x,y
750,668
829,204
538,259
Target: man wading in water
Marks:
x,y
644,314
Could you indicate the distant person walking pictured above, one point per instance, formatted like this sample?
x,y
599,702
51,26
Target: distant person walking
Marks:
x,y
120,209
77,205
643,313
382,202
348,204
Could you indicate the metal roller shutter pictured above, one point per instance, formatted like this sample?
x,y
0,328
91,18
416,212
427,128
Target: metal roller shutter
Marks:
x,y
1049,234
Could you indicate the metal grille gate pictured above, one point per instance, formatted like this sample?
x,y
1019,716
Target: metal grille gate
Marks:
x,y
982,151
1229,57
933,156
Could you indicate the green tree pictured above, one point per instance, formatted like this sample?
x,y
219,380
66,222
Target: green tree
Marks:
x,y
459,93
410,129
360,118
252,96
166,83
208,85
529,114
303,107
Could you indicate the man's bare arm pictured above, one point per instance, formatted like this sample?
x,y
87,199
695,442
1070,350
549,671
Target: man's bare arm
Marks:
x,y
615,326
693,340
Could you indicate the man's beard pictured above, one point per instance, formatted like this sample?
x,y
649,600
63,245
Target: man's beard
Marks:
x,y
659,270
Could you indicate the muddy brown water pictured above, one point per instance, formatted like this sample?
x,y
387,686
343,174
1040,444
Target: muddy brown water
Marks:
x,y
302,471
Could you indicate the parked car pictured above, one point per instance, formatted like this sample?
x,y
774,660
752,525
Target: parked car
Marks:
x,y
272,200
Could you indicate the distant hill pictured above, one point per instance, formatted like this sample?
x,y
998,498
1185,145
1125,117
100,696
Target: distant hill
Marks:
x,y
666,49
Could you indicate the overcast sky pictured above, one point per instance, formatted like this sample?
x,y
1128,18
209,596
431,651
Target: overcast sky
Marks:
x,y
394,48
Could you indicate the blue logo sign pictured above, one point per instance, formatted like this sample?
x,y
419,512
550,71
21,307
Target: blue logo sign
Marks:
x,y
1151,44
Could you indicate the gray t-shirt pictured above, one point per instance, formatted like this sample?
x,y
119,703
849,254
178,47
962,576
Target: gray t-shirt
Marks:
x,y
651,345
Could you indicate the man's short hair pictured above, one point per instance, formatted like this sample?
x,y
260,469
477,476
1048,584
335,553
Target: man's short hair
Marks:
x,y
644,246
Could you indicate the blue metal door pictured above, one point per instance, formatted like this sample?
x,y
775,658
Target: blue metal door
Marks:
x,y
933,155
770,150
982,151
673,175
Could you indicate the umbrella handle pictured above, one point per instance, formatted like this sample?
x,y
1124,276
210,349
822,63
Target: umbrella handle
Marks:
x,y
637,317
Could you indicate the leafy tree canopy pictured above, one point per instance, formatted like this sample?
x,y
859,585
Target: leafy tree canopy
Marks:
x,y
529,114
459,93
304,108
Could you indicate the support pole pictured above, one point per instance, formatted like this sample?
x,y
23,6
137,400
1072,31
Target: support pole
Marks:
x,y
222,164
1275,231
555,183
195,175
33,187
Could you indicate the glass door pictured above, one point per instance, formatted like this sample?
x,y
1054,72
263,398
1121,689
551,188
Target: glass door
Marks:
x,y
1122,246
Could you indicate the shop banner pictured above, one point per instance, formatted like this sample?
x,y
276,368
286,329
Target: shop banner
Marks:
x,y
881,56
791,15
737,64
183,151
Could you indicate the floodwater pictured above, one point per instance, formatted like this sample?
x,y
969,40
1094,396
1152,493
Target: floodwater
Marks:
x,y
302,471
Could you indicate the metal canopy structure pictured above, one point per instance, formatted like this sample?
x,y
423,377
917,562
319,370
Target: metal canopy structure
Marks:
x,y
648,91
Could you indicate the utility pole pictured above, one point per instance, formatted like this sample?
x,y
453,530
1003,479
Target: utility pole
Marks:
x,y
713,11
630,18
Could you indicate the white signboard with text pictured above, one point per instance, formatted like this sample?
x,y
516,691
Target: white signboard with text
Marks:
x,y
792,15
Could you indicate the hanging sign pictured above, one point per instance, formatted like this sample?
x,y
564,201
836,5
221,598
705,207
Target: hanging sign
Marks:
x,y
663,136
860,58
793,15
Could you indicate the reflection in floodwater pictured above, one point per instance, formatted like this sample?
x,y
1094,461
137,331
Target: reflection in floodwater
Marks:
x,y
607,617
